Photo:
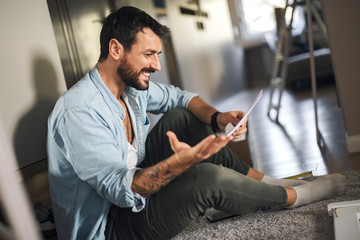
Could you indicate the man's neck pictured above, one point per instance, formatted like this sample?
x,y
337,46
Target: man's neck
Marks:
x,y
110,78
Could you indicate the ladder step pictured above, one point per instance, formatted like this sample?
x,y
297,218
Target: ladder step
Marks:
x,y
272,106
276,81
279,57
282,31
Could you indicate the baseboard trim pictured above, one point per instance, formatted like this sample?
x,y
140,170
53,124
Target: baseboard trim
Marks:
x,y
353,143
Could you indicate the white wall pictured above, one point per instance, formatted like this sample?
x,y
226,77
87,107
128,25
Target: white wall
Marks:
x,y
31,76
342,19
209,61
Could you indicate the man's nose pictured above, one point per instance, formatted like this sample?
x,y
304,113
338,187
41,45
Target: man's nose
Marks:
x,y
155,63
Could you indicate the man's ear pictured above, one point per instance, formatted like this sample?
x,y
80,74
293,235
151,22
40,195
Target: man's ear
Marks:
x,y
116,50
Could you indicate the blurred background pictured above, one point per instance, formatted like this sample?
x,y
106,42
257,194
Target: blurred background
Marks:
x,y
225,50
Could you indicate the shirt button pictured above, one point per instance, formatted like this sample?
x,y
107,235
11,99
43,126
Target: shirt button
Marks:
x,y
117,115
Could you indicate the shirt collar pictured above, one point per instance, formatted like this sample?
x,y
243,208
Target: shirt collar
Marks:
x,y
95,77
131,92
104,90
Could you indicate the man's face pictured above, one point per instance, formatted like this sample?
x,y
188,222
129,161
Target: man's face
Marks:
x,y
142,60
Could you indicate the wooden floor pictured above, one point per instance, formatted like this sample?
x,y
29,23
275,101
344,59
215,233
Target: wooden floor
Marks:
x,y
290,147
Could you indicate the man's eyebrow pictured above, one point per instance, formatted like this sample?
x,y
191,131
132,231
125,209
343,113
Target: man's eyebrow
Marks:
x,y
152,51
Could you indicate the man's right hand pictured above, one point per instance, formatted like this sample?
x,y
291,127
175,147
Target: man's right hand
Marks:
x,y
201,151
149,180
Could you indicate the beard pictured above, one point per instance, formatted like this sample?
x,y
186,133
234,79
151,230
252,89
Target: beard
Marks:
x,y
130,77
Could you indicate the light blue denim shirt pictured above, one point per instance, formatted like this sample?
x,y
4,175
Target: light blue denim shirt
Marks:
x,y
87,149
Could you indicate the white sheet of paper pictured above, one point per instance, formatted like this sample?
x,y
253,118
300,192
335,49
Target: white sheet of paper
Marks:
x,y
228,133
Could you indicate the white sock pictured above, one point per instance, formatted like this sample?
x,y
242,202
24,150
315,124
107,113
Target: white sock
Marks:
x,y
282,182
321,188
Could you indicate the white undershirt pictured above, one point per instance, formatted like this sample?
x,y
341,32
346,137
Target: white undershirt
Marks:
x,y
132,157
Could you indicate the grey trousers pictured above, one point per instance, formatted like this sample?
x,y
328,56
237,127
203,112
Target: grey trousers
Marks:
x,y
219,182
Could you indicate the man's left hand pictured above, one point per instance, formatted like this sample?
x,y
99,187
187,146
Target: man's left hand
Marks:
x,y
232,117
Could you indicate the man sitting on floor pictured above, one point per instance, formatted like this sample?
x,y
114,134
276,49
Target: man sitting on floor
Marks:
x,y
110,179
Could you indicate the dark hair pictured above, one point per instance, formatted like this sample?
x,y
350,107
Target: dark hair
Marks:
x,y
124,24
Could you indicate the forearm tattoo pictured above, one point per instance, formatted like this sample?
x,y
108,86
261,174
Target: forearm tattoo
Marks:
x,y
150,180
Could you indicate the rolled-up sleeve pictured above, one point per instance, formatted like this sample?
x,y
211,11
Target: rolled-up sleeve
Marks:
x,y
93,148
162,98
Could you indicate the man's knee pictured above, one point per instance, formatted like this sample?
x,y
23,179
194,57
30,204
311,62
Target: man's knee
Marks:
x,y
184,123
179,113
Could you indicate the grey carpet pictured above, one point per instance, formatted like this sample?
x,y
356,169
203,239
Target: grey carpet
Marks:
x,y
307,222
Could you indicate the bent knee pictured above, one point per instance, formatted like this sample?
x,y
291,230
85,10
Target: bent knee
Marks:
x,y
178,113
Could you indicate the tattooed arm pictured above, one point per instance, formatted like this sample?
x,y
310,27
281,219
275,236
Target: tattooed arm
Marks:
x,y
149,180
